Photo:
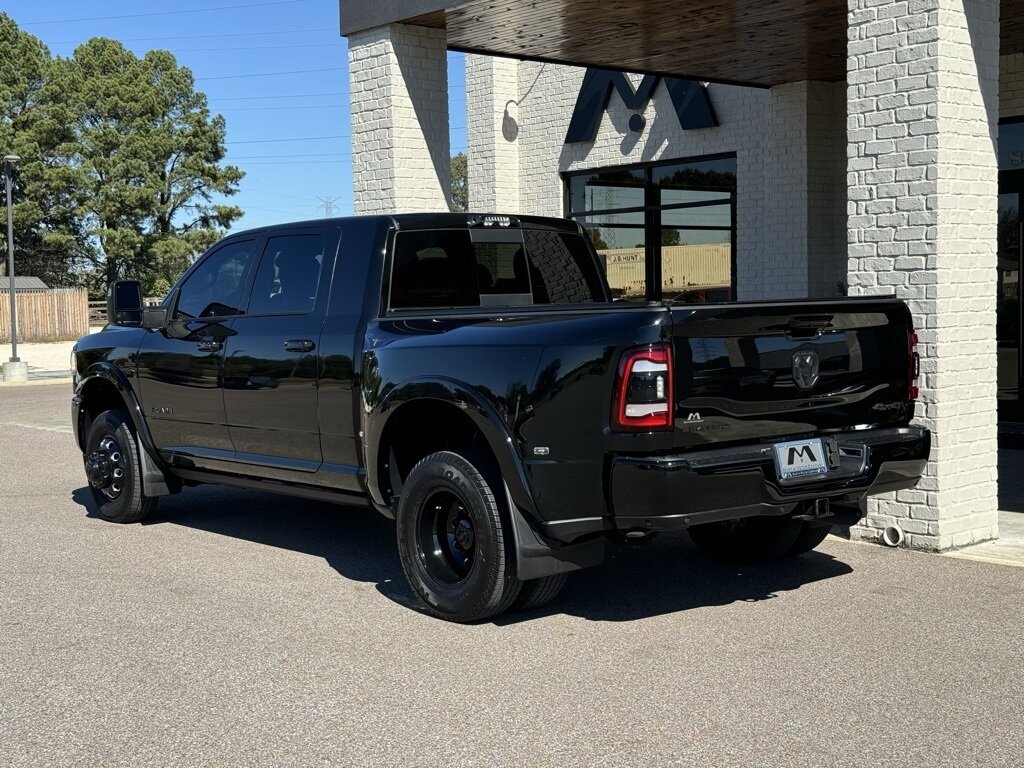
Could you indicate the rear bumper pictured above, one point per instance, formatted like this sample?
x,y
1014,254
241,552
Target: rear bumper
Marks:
x,y
674,492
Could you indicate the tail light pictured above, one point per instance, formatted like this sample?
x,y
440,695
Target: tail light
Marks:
x,y
913,367
643,391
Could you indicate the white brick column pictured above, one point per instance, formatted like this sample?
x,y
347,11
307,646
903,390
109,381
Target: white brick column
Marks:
x,y
492,94
398,84
804,216
922,174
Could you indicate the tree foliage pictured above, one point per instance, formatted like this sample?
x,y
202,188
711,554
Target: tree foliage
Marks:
x,y
460,183
123,165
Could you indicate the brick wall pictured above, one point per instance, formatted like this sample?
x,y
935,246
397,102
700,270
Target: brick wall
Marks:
x,y
398,84
492,84
922,177
1011,85
789,145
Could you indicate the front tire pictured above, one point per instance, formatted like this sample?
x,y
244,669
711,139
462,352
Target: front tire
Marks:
x,y
457,554
114,469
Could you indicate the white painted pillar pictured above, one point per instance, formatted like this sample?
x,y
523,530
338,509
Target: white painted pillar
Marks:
x,y
398,84
492,93
922,175
803,219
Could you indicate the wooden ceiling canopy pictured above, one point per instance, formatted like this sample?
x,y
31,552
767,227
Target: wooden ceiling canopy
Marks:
x,y
750,42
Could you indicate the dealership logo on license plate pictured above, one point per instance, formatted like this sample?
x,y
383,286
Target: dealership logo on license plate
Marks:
x,y
800,458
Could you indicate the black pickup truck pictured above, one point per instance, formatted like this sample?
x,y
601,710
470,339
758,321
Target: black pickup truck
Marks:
x,y
470,377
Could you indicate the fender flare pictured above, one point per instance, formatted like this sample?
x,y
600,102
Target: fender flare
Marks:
x,y
154,479
536,556
469,401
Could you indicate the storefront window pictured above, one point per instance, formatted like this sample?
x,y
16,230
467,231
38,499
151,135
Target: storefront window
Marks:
x,y
663,230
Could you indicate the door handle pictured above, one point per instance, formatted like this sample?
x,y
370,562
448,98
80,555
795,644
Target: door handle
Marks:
x,y
210,345
299,345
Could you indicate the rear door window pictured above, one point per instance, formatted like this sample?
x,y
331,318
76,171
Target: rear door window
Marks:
x,y
289,273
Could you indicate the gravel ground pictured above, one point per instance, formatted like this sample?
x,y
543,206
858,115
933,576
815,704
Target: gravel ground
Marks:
x,y
239,628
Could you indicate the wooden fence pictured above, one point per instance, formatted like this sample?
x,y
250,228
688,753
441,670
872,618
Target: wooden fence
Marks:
x,y
58,314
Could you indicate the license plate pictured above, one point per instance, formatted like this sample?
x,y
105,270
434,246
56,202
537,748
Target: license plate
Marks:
x,y
800,458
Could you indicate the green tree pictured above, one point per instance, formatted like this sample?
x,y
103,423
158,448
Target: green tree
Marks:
x,y
147,159
669,236
460,183
50,239
596,238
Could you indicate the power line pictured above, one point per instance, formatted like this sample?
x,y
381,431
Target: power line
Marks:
x,y
270,157
291,162
294,138
272,74
202,37
282,96
293,106
163,13
254,47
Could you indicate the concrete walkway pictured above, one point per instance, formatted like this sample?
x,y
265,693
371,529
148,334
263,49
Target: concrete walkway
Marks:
x,y
51,360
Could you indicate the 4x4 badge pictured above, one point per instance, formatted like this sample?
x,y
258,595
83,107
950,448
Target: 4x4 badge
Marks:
x,y
806,369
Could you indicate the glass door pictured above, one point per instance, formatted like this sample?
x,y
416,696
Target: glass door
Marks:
x,y
1008,317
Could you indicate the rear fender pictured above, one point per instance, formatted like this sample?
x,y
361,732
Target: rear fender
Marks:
x,y
536,556
470,402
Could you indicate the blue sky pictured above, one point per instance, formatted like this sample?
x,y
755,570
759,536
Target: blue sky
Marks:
x,y
276,69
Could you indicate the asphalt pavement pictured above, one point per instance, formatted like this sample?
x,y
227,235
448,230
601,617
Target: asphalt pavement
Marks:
x,y
240,628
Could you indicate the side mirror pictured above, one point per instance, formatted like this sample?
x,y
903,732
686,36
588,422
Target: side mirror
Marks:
x,y
124,303
154,318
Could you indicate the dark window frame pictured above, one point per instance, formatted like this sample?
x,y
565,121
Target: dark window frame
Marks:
x,y
652,208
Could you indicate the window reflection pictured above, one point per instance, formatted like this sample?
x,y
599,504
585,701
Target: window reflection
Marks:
x,y
669,222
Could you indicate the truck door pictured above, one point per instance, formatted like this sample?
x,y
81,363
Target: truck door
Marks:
x,y
271,363
180,367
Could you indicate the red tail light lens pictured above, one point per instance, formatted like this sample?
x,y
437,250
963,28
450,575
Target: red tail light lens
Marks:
x,y
913,367
643,391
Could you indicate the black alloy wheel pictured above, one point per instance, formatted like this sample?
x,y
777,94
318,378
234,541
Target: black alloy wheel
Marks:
x,y
114,469
105,468
447,537
456,550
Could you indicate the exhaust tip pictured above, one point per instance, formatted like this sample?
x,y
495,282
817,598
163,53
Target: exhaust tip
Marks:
x,y
892,536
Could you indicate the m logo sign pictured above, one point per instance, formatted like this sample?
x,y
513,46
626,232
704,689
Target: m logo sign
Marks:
x,y
801,454
689,97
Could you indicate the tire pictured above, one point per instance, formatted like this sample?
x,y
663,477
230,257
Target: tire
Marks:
x,y
538,592
748,539
456,552
808,538
114,470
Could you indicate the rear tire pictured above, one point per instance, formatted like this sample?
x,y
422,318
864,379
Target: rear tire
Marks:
x,y
457,554
809,538
538,592
114,469
748,539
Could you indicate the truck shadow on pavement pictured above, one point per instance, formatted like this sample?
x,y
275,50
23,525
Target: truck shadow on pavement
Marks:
x,y
667,575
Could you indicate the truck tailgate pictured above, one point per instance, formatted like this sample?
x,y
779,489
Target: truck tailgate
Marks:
x,y
764,371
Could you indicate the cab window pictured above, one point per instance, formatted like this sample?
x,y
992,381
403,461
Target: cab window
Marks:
x,y
214,289
289,273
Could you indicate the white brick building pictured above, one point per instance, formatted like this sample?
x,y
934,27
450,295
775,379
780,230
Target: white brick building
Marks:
x,y
858,148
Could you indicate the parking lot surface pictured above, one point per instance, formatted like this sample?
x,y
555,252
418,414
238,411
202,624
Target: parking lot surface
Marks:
x,y
241,628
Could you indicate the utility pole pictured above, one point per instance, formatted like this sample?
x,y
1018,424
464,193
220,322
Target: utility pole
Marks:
x,y
14,369
327,204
